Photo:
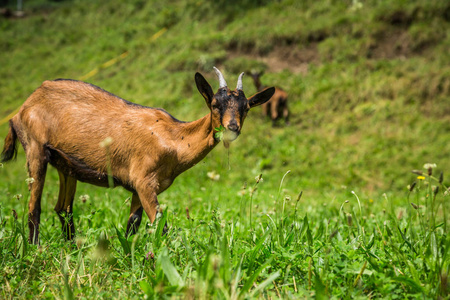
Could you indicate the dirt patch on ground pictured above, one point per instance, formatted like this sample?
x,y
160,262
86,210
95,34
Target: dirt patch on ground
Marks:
x,y
296,60
394,43
292,58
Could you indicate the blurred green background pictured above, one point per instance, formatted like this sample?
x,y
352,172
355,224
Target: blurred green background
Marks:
x,y
368,82
368,85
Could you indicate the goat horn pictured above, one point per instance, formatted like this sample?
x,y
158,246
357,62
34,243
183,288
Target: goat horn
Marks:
x,y
222,82
239,83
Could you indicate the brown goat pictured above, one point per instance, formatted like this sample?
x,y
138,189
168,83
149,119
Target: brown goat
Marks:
x,y
277,106
64,122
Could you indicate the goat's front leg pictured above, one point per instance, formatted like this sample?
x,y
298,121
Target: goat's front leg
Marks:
x,y
135,216
149,202
265,109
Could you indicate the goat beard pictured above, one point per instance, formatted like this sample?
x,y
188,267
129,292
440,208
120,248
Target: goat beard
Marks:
x,y
228,137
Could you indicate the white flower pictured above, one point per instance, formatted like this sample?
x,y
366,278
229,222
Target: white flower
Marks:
x,y
84,198
213,176
427,166
241,192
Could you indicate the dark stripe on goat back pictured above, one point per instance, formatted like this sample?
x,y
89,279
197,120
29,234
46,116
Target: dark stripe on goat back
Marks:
x,y
136,105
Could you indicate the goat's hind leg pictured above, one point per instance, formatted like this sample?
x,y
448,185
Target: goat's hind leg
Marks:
x,y
64,207
37,160
274,112
286,112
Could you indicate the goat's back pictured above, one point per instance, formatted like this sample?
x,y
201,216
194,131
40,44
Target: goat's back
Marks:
x,y
75,117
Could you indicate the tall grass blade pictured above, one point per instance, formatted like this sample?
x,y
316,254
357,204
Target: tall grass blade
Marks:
x,y
160,229
146,288
256,249
169,269
188,248
265,283
123,242
320,289
236,279
68,293
409,282
252,279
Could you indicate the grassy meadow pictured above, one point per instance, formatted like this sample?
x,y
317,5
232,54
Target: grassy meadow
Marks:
x,y
325,207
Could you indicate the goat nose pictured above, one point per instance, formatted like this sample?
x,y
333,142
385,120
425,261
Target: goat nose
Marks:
x,y
233,126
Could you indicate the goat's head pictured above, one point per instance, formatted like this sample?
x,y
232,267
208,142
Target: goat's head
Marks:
x,y
229,108
256,75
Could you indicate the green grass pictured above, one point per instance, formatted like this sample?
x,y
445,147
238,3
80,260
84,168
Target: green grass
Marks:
x,y
372,106
237,249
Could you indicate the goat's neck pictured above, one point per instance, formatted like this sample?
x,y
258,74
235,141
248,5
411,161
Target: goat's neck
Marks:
x,y
258,84
197,141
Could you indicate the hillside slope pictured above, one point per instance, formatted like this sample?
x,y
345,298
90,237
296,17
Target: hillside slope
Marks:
x,y
368,81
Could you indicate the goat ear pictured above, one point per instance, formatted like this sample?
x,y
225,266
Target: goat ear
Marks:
x,y
261,97
204,88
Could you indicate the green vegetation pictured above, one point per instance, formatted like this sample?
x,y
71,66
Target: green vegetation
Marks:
x,y
338,212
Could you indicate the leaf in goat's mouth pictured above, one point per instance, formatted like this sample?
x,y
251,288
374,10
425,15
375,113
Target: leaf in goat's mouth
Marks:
x,y
219,132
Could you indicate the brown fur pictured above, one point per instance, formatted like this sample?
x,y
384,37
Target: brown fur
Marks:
x,y
64,122
277,106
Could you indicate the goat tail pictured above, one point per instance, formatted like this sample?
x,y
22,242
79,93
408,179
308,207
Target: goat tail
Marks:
x,y
10,147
